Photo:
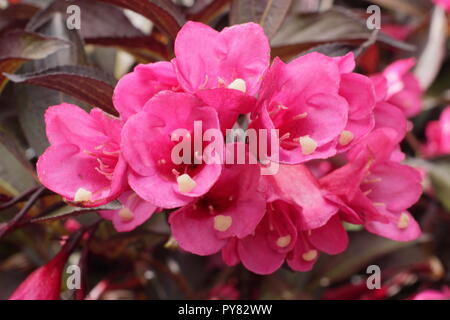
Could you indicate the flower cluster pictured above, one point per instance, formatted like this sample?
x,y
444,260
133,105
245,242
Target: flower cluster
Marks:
x,y
338,155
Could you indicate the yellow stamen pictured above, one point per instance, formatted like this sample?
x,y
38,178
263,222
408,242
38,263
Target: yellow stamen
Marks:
x,y
82,195
238,84
403,222
308,145
309,256
346,137
283,242
126,215
222,223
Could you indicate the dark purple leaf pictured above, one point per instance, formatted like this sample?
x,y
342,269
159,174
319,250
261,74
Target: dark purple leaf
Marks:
x,y
269,14
16,47
163,13
88,84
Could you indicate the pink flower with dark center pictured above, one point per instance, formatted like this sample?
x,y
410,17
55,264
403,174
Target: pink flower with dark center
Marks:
x,y
438,135
232,208
150,139
377,188
134,212
88,145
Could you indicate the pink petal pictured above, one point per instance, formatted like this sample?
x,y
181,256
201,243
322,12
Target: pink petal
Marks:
x,y
136,88
331,238
194,231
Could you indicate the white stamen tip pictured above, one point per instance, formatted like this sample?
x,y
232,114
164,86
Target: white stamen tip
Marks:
x,y
238,84
126,215
283,242
186,183
308,145
222,223
403,222
309,256
82,195
345,138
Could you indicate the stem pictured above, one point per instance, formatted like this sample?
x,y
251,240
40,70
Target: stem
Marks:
x,y
11,225
18,198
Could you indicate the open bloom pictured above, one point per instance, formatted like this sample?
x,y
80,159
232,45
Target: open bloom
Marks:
x,y
317,103
438,135
208,59
149,142
232,208
298,224
134,212
84,162
378,189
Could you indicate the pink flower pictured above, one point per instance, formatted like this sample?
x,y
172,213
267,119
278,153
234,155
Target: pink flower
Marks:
x,y
443,294
84,162
359,92
386,114
136,88
135,212
298,224
445,4
403,88
149,138
296,184
438,135
221,69
232,208
377,190
280,236
235,58
318,105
